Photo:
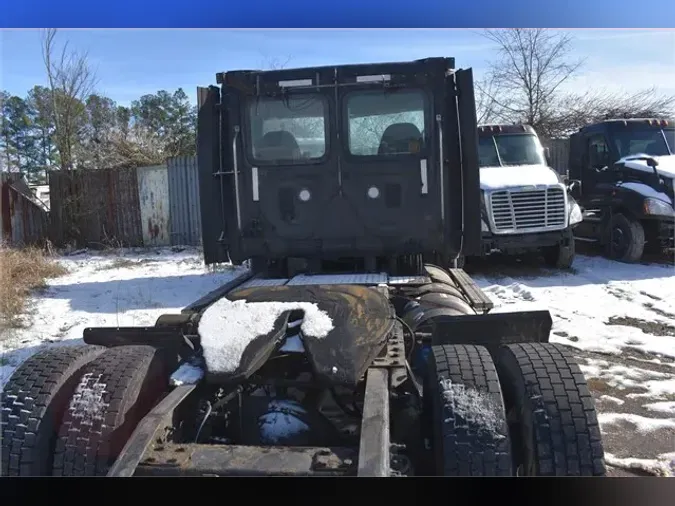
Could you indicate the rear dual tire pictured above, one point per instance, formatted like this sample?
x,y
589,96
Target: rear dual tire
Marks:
x,y
551,412
33,403
536,390
68,411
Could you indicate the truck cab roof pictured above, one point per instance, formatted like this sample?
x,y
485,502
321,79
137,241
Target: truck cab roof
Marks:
x,y
504,129
622,123
324,76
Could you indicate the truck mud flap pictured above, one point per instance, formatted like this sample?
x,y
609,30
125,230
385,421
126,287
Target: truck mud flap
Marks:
x,y
489,330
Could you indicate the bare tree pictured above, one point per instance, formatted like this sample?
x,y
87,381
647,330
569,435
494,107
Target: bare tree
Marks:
x,y
487,108
274,62
577,110
137,149
71,81
278,63
526,78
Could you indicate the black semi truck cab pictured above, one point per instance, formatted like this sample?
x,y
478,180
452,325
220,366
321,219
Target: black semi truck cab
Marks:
x,y
625,170
361,167
526,205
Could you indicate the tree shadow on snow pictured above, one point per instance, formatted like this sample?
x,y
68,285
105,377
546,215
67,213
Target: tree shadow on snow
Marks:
x,y
144,293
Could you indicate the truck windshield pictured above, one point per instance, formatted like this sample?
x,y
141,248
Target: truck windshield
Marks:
x,y
385,122
289,128
654,142
510,149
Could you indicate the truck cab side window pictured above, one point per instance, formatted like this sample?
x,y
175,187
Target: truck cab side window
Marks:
x,y
598,152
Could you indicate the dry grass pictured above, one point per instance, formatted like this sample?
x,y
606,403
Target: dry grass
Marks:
x,y
22,271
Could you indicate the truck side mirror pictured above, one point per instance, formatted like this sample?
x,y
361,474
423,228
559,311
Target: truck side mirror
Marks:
x,y
547,155
652,162
574,187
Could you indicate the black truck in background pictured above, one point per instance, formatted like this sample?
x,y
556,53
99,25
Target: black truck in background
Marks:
x,y
624,170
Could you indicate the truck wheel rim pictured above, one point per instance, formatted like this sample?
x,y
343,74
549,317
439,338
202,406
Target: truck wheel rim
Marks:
x,y
618,241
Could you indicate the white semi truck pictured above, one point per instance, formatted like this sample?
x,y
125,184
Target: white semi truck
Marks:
x,y
526,205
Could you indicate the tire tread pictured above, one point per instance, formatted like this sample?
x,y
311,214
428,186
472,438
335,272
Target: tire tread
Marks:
x,y
468,448
110,399
33,401
559,406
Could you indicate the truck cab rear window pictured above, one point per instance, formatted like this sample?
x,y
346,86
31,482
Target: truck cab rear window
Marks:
x,y
386,122
287,129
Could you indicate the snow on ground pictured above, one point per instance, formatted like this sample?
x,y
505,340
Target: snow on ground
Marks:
x,y
641,423
131,288
663,465
619,320
597,293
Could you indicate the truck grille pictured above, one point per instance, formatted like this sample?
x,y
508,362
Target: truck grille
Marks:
x,y
528,210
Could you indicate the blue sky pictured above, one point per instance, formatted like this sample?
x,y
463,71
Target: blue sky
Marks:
x,y
131,63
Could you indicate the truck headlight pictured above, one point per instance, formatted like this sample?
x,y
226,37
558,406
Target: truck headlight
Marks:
x,y
575,213
484,226
658,207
